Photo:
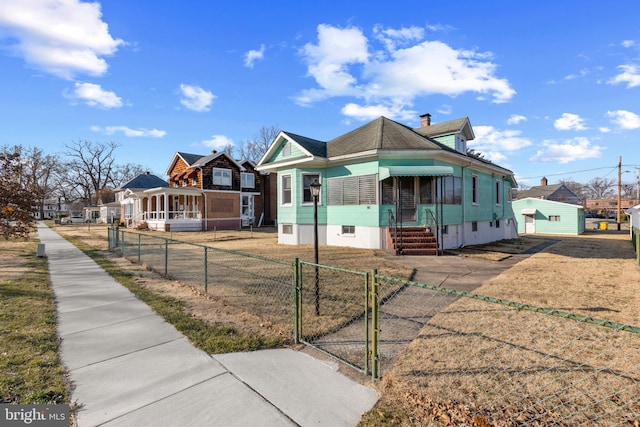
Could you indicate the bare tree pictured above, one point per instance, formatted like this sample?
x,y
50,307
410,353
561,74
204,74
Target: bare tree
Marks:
x,y
126,172
17,196
39,172
91,168
253,149
600,188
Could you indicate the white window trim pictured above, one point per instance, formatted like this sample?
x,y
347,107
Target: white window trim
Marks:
x,y
245,174
282,189
224,170
475,192
302,202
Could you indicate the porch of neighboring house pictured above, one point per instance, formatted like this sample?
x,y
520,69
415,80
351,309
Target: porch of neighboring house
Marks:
x,y
166,209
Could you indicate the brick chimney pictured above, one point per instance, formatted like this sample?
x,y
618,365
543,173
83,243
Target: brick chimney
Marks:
x,y
543,181
425,120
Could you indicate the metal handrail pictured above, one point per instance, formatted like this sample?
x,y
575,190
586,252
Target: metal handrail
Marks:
x,y
431,221
394,223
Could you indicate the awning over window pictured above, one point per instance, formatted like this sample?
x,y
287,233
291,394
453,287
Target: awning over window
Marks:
x,y
175,177
386,172
190,174
528,211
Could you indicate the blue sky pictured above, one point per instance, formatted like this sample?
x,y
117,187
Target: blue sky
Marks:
x,y
551,87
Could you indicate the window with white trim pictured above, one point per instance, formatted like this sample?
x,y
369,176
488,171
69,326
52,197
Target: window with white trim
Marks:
x,y
307,180
554,218
247,180
285,190
221,176
287,228
474,189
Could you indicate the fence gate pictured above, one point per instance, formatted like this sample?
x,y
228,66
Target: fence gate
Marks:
x,y
332,312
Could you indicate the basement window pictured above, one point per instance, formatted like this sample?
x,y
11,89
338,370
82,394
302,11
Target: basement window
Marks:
x,y
287,228
474,226
349,229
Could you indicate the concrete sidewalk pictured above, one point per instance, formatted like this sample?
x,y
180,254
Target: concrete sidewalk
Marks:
x,y
131,368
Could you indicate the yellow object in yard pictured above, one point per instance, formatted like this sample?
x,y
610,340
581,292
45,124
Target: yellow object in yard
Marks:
x,y
604,225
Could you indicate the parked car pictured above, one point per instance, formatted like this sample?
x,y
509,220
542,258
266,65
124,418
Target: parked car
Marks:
x,y
74,219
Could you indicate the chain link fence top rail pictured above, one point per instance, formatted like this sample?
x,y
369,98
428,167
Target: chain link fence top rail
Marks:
x,y
494,362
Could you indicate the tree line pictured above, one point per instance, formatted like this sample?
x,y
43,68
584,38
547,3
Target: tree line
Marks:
x,y
79,176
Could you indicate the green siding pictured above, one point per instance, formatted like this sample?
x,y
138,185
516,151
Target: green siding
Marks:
x,y
571,216
296,152
448,140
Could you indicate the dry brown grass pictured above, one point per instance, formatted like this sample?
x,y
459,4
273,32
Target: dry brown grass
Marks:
x,y
594,275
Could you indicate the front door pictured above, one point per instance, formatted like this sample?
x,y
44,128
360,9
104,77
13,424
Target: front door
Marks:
x,y
407,190
529,224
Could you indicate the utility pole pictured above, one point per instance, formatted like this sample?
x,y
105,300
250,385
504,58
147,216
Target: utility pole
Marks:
x,y
619,188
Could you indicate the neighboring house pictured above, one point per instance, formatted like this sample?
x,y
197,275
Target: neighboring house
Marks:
x,y
384,177
51,208
109,213
92,213
555,192
134,203
634,219
536,215
202,193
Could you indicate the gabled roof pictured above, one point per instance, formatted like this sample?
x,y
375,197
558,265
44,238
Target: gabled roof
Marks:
x,y
539,192
380,134
461,125
144,180
198,160
313,146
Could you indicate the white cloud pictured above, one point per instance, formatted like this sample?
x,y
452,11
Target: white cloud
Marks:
x,y
445,109
628,43
93,95
624,119
217,142
328,62
60,37
127,131
516,119
604,129
392,37
344,62
252,56
569,121
370,112
630,75
489,139
569,151
196,98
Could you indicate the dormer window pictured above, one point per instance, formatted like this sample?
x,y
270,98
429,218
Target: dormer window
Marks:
x,y
461,144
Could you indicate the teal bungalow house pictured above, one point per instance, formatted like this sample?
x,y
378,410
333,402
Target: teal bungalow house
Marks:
x,y
388,186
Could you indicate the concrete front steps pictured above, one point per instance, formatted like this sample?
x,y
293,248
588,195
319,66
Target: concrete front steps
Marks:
x,y
414,241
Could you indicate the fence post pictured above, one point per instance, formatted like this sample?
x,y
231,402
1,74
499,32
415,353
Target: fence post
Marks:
x,y
375,327
367,365
139,247
296,301
166,257
206,270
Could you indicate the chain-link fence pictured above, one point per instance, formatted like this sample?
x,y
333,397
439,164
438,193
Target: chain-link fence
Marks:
x,y
259,285
333,312
486,361
493,361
